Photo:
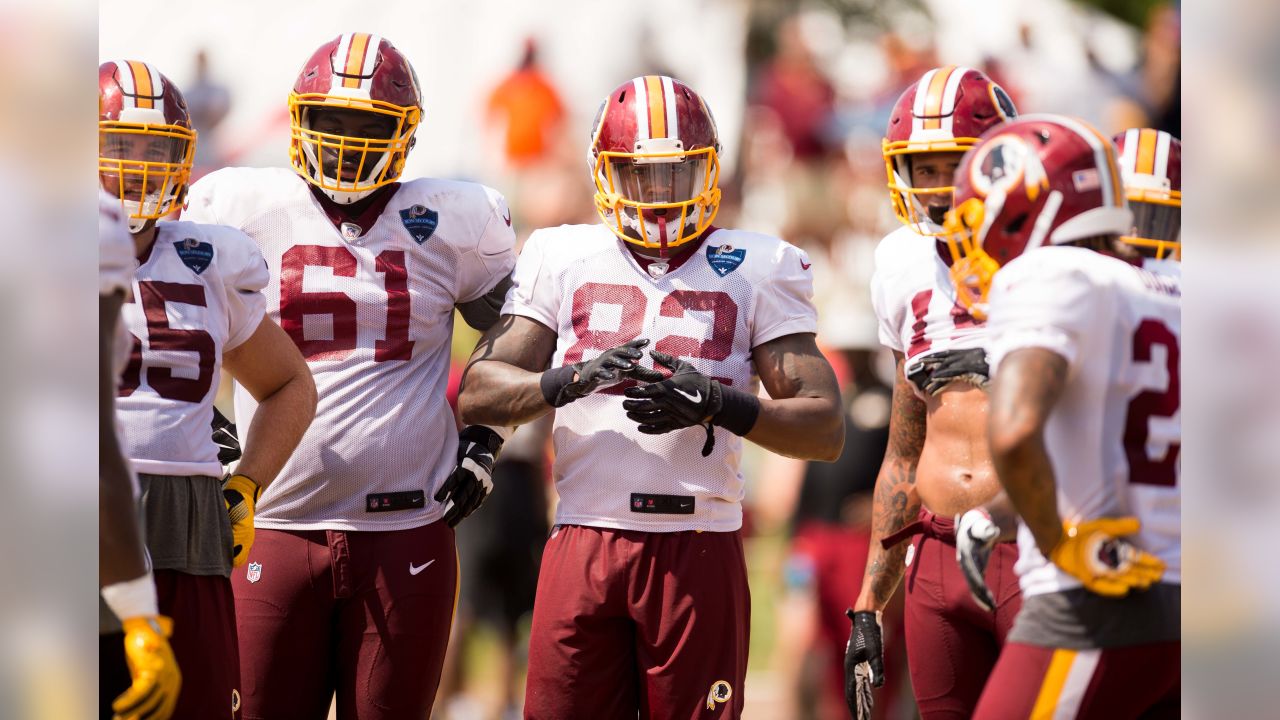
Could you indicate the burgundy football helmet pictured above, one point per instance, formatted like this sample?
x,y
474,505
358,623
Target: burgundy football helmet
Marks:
x,y
654,156
145,142
945,111
1151,165
1038,180
362,72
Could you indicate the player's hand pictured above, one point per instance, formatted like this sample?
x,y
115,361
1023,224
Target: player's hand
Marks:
x,y
224,436
685,399
472,480
976,538
240,493
863,662
563,385
156,677
1095,553
942,369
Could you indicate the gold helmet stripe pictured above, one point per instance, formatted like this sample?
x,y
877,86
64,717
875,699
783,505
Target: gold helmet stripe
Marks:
x,y
355,60
935,97
142,84
657,106
1146,163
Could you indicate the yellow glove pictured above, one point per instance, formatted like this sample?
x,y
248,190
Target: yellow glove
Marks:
x,y
240,493
1094,553
156,678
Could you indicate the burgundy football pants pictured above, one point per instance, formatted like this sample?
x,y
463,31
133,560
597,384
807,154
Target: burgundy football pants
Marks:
x,y
952,644
628,621
1122,683
365,614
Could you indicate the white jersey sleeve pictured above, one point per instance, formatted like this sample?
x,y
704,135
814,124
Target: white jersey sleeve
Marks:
x,y
494,254
244,277
887,316
116,260
534,293
784,303
1041,305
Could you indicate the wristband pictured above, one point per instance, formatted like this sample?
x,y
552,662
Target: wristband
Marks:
x,y
132,598
738,410
553,383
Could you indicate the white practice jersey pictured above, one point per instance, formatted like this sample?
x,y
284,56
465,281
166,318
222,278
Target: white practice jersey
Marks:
x,y
1114,436
372,312
915,300
196,295
116,263
737,291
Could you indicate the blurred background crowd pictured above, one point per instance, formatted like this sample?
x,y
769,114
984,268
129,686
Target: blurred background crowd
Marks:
x,y
802,92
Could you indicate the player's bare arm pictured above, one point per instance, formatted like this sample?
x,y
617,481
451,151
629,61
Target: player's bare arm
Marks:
x,y
802,417
895,502
1027,387
120,555
500,386
269,366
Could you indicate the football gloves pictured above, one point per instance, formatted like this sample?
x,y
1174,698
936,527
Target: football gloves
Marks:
x,y
224,436
156,677
863,662
686,399
563,385
466,488
941,369
1095,554
976,538
240,493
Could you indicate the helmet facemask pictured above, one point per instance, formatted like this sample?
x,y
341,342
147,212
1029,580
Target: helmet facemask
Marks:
x,y
146,165
348,168
910,204
660,196
1157,218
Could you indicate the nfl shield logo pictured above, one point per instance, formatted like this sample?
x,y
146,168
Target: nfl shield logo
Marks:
x,y
255,572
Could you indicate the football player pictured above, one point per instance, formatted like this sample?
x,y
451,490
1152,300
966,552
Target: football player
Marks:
x,y
127,586
1084,424
642,601
197,306
1151,167
937,464
352,583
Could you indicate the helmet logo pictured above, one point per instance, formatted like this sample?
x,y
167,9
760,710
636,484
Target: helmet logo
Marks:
x,y
1003,163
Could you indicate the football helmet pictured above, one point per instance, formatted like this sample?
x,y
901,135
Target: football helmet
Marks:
x,y
146,145
1037,180
355,72
654,153
945,111
1151,166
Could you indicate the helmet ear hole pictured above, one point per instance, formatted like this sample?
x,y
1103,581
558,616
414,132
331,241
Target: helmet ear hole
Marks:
x,y
1015,225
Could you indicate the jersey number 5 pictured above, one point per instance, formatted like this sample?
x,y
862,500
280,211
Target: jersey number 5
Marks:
x,y
161,337
296,303
1148,404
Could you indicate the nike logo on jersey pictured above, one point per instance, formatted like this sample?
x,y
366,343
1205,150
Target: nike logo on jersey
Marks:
x,y
507,217
805,266
415,569
696,397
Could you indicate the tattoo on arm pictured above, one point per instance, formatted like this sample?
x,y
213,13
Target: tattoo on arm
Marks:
x,y
895,502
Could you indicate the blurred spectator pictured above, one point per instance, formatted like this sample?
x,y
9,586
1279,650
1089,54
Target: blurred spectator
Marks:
x,y
797,92
528,107
208,101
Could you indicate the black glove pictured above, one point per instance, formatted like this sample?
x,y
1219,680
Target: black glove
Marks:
x,y
689,398
472,480
864,647
941,369
224,436
563,385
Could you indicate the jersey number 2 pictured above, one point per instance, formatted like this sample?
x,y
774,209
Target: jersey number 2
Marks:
x,y
1148,404
296,303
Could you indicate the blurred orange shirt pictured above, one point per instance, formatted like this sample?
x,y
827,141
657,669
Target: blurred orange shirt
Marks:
x,y
532,109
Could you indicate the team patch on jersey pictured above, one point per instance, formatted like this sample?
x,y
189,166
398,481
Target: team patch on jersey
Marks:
x,y
195,254
420,221
724,259
254,573
721,691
